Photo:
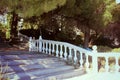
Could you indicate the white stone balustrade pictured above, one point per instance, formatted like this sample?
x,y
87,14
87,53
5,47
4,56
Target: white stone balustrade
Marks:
x,y
61,51
30,44
81,60
67,51
113,66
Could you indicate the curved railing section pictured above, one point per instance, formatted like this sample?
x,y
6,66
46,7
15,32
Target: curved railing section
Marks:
x,y
22,36
77,56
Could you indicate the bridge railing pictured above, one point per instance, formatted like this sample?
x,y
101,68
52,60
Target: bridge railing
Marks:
x,y
22,36
108,62
77,56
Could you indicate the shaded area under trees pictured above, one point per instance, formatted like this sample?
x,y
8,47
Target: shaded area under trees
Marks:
x,y
58,19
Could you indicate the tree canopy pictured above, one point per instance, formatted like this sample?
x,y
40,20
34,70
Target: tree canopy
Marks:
x,y
28,8
116,13
90,14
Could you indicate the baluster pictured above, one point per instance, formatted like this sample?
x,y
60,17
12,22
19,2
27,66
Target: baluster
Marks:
x,y
87,63
61,51
81,59
40,44
33,45
49,48
43,49
57,52
70,53
75,56
65,53
107,64
46,48
53,48
117,64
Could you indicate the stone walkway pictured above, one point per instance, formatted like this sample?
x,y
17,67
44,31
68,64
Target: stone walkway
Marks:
x,y
24,65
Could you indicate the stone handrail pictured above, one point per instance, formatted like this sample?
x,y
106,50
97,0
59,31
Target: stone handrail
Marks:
x,y
108,61
77,56
23,36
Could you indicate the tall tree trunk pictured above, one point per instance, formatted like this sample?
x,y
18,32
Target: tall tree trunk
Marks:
x,y
86,37
14,24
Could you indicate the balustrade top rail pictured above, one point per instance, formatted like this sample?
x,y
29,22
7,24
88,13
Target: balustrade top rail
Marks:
x,y
23,36
67,45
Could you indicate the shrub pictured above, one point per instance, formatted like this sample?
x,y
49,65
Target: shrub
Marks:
x,y
116,50
104,49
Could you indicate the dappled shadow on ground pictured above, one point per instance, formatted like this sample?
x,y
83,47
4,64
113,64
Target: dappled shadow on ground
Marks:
x,y
20,65
11,63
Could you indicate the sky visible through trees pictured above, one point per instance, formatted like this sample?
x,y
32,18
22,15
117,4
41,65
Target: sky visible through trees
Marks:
x,y
117,1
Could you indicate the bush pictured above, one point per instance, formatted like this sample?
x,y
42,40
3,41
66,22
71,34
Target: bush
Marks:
x,y
104,49
116,50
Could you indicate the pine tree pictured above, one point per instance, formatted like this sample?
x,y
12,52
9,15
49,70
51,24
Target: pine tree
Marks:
x,y
91,14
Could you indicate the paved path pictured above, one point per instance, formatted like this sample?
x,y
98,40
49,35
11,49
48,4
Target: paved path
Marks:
x,y
24,65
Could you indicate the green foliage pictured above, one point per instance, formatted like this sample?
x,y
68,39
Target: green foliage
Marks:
x,y
5,28
116,13
67,35
107,17
49,5
69,8
98,14
116,50
26,25
8,34
1,26
90,13
2,30
104,49
28,8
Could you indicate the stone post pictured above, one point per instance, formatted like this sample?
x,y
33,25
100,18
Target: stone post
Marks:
x,y
95,60
40,43
94,49
30,44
